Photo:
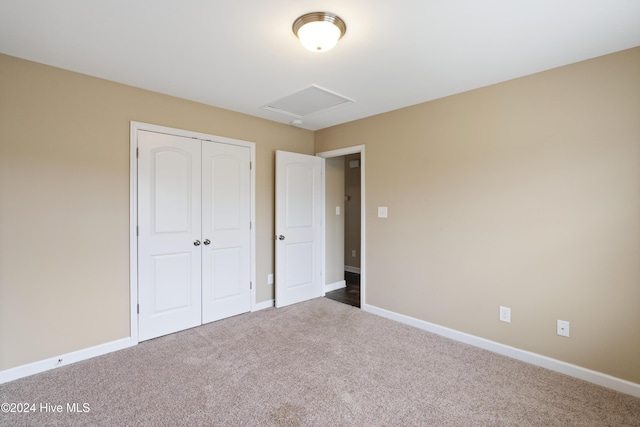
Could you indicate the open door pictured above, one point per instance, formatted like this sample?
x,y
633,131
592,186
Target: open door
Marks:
x,y
299,231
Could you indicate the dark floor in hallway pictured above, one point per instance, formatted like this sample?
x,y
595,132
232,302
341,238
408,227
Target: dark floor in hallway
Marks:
x,y
351,293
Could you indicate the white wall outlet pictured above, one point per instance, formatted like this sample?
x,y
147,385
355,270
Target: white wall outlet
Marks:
x,y
353,253
269,279
563,328
505,314
337,210
382,212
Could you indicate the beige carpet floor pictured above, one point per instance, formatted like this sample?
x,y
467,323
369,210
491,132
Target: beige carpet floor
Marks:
x,y
318,363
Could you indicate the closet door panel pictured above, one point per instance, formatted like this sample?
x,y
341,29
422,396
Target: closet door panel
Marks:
x,y
169,224
226,209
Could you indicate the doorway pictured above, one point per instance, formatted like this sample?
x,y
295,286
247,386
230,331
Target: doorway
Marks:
x,y
345,225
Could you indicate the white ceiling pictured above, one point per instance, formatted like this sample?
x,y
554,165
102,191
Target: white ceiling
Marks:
x,y
241,54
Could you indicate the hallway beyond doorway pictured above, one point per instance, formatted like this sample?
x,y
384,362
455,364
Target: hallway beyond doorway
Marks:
x,y
349,294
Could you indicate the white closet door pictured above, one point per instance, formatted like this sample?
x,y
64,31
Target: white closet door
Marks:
x,y
226,232
169,255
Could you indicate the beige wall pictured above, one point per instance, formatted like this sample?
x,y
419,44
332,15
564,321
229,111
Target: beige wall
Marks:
x,y
64,202
524,194
334,224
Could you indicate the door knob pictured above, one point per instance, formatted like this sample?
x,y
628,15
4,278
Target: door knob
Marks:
x,y
281,237
196,243
207,241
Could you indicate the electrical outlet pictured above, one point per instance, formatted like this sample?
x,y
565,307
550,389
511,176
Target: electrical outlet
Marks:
x,y
563,328
505,314
353,253
269,279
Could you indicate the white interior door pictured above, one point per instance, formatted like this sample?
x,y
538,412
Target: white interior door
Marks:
x,y
226,230
169,256
298,227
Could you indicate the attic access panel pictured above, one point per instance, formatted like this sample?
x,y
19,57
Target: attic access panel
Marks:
x,y
308,101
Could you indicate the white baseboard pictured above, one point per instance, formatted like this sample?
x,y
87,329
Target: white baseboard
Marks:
x,y
334,286
575,371
22,371
352,269
62,360
262,305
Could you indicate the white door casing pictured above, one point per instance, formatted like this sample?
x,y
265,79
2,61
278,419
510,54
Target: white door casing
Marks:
x,y
363,229
169,262
226,224
299,231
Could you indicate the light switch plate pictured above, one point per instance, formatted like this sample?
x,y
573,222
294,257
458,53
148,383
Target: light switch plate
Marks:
x,y
382,212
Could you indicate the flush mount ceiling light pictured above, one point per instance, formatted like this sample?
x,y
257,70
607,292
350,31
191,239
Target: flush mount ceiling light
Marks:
x,y
319,31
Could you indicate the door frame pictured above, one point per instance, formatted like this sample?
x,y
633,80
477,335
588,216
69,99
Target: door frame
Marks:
x,y
339,153
133,209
